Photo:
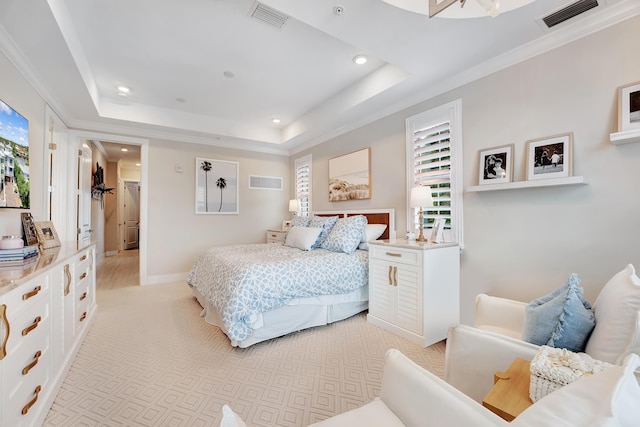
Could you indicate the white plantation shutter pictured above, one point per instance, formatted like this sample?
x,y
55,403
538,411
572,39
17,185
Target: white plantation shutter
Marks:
x,y
434,159
303,185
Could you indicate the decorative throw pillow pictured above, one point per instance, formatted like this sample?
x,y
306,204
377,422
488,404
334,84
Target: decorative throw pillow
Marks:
x,y
562,319
606,399
302,237
373,231
345,235
230,418
324,222
616,310
300,221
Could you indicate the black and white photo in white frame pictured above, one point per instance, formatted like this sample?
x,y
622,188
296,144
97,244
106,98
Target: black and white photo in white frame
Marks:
x,y
496,165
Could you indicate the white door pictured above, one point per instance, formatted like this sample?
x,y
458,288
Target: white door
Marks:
x,y
131,214
84,195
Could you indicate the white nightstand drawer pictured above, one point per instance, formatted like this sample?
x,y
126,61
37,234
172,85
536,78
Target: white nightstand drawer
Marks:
x,y
276,236
393,254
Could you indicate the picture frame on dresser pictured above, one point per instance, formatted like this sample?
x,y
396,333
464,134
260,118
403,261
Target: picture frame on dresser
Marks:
x,y
30,235
629,107
496,165
550,157
47,234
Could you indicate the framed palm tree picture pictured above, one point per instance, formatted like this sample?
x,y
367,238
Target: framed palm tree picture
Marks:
x,y
216,186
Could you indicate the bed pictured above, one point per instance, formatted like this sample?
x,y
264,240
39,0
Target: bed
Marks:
x,y
262,291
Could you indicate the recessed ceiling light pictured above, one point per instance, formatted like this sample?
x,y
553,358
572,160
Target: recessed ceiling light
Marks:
x,y
137,164
181,100
229,74
124,89
275,120
360,59
124,149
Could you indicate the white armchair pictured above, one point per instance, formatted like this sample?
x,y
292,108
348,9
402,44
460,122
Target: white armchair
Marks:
x,y
473,354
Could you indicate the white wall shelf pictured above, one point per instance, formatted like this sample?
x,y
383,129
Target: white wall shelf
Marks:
x,y
554,182
625,137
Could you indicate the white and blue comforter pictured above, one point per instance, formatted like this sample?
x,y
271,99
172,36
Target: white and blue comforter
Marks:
x,y
244,280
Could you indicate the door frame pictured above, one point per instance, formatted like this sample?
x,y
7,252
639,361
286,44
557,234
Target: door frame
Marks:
x,y
75,141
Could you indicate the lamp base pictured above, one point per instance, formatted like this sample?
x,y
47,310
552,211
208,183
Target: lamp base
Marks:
x,y
421,239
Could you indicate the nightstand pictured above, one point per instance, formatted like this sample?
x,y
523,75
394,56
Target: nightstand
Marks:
x,y
414,288
276,236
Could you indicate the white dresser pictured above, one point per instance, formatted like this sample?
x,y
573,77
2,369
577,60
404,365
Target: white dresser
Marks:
x,y
414,288
45,312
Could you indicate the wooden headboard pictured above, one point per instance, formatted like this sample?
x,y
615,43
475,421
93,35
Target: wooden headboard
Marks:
x,y
374,216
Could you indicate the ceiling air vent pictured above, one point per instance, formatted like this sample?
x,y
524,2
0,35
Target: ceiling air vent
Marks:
x,y
568,12
268,15
265,182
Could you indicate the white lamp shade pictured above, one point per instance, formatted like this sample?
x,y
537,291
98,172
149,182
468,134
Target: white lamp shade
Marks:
x,y
293,205
421,197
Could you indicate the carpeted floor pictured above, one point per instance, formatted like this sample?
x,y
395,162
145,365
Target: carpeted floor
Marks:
x,y
150,360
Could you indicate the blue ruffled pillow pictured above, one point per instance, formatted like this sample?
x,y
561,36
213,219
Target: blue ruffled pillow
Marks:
x,y
562,319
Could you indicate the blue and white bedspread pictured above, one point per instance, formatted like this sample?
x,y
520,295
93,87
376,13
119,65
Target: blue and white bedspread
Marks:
x,y
244,280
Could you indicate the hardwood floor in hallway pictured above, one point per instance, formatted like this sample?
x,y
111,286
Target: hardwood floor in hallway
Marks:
x,y
119,271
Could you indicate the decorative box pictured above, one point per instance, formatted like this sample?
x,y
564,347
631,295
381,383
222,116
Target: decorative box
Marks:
x,y
552,368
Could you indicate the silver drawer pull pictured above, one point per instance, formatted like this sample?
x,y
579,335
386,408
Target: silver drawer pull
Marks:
x,y
393,254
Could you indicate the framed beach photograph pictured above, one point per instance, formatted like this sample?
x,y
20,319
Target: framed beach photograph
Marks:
x,y
629,107
550,157
496,165
350,176
47,234
216,187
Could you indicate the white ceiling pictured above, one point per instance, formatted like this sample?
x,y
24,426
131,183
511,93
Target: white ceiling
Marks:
x,y
174,56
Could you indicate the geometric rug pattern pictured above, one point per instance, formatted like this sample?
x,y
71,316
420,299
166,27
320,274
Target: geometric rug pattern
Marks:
x,y
149,359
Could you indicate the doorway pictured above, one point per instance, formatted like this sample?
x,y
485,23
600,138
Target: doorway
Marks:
x,y
131,209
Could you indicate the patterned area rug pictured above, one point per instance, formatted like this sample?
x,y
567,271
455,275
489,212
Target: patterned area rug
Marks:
x,y
150,360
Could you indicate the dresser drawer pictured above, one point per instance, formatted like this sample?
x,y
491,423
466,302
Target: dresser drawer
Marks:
x,y
396,255
26,401
28,329
27,295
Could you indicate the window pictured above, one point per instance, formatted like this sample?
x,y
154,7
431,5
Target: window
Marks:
x,y
434,158
303,184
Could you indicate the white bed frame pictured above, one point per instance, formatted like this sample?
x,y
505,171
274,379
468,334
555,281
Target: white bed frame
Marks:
x,y
303,313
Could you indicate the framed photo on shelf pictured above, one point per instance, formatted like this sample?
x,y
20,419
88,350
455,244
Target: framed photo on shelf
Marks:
x,y
47,235
496,165
550,157
629,107
30,235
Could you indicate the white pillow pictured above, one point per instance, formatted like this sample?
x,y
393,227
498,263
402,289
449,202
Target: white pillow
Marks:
x,y
373,231
302,237
616,310
230,418
606,399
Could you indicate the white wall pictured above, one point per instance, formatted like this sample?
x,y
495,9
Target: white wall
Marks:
x,y
16,91
524,243
176,234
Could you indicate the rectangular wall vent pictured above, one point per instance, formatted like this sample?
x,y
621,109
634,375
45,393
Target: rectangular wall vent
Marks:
x,y
265,182
568,12
268,15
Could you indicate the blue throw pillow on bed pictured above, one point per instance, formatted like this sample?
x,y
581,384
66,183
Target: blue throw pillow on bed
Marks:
x,y
300,221
324,222
346,234
562,319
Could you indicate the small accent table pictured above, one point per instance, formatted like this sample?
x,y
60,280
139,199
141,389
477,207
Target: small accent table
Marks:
x,y
510,393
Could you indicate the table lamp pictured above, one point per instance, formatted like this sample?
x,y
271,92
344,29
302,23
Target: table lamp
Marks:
x,y
421,198
293,206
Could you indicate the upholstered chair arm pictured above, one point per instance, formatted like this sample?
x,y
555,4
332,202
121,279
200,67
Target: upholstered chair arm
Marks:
x,y
473,355
500,315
